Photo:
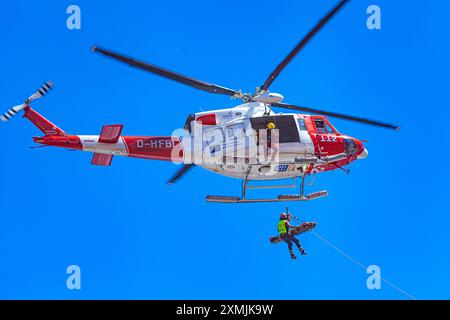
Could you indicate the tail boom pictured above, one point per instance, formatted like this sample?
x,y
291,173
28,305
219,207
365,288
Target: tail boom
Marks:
x,y
67,141
109,142
144,147
155,148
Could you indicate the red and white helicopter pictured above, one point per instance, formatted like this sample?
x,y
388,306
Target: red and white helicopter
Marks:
x,y
249,141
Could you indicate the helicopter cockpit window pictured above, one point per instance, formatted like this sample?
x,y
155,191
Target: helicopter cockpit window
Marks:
x,y
301,124
320,126
329,128
350,146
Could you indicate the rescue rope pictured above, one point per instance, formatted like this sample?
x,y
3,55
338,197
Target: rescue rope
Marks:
x,y
352,259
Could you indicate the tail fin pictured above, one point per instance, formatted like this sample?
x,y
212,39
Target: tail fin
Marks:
x,y
48,128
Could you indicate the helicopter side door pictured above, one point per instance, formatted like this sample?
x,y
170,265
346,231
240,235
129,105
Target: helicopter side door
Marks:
x,y
326,137
286,129
275,136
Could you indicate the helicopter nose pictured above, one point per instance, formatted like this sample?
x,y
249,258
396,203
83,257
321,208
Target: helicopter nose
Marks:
x,y
363,154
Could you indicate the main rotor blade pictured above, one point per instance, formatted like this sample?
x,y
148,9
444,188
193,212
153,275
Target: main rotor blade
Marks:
x,y
181,172
301,44
201,85
337,115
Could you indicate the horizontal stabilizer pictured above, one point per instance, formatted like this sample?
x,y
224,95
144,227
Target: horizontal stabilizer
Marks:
x,y
110,133
100,159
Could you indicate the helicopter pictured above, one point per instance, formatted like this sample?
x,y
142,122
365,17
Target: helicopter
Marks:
x,y
249,141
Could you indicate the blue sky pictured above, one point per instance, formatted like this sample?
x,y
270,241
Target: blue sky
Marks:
x,y
134,237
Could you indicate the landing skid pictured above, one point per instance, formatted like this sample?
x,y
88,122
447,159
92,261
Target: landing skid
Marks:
x,y
280,198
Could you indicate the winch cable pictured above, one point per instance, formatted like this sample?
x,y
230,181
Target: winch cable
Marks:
x,y
352,259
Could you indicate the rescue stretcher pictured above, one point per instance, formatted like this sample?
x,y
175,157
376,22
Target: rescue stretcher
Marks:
x,y
304,227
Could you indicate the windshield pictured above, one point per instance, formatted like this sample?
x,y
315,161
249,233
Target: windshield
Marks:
x,y
323,127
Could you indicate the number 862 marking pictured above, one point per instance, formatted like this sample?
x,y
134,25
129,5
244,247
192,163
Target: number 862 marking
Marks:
x,y
328,138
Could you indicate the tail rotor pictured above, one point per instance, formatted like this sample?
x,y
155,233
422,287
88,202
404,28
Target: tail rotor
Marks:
x,y
42,91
